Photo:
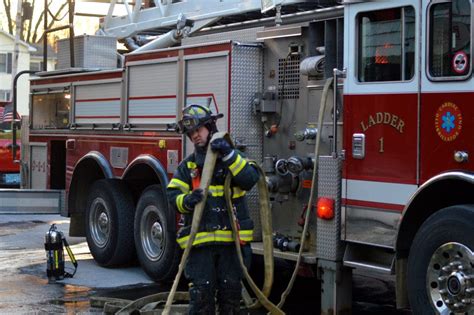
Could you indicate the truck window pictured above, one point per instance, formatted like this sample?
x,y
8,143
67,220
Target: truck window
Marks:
x,y
381,55
450,40
50,111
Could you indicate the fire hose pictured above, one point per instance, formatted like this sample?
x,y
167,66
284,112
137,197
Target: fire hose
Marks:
x,y
265,216
151,301
265,220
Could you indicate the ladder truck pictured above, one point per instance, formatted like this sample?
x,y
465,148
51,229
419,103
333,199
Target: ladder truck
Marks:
x,y
395,178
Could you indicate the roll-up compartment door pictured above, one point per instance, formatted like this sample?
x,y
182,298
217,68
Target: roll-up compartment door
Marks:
x,y
207,84
152,93
97,103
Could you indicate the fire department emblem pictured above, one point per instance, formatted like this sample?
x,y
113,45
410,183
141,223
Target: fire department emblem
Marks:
x,y
448,121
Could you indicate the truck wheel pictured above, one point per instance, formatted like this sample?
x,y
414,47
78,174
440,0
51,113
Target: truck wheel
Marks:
x,y
155,237
441,263
109,223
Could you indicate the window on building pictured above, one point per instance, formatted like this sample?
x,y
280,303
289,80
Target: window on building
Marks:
x,y
4,95
6,63
381,54
450,40
36,66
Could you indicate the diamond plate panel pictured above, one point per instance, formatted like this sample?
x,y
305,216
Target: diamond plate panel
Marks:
x,y
328,243
90,51
245,126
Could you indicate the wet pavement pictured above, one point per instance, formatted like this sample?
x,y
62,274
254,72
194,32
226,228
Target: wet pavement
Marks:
x,y
24,287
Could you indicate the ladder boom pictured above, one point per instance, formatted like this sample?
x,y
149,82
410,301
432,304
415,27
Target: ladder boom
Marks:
x,y
165,15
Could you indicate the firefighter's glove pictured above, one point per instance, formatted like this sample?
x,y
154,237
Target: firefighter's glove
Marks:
x,y
223,147
192,199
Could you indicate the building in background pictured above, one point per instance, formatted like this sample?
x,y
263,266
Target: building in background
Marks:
x,y
36,58
7,46
30,58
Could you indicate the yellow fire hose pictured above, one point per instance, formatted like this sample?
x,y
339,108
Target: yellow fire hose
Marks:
x,y
150,302
267,231
265,214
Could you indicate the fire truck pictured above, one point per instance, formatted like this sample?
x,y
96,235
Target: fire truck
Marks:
x,y
394,164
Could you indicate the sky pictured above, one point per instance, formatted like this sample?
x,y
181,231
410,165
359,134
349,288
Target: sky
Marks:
x,y
82,24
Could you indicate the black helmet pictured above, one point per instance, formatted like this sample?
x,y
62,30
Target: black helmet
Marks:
x,y
196,116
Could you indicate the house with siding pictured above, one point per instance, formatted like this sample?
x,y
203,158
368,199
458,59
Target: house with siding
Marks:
x,y
7,46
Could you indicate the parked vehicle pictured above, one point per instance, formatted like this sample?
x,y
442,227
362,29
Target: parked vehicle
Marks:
x,y
9,170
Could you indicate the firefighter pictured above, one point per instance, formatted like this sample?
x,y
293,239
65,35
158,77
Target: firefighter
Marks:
x,y
213,268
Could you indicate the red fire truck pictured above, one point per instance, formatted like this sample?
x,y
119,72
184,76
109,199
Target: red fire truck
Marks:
x,y
395,138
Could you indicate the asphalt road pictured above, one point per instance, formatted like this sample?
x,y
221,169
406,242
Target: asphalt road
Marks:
x,y
24,286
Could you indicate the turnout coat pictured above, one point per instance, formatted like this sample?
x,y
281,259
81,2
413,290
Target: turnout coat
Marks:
x,y
215,226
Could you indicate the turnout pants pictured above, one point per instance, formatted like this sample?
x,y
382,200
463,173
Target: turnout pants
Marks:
x,y
214,273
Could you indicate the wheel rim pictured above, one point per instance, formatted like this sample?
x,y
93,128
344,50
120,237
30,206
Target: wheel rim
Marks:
x,y
152,233
450,279
99,221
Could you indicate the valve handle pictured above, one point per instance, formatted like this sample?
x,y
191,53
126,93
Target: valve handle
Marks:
x,y
281,167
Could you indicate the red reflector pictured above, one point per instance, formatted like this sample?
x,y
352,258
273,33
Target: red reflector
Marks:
x,y
325,208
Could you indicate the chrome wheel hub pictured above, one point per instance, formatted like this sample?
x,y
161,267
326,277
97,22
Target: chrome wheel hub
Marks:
x,y
157,232
103,221
450,279
99,222
152,233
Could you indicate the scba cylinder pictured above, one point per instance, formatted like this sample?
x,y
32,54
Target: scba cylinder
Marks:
x,y
54,255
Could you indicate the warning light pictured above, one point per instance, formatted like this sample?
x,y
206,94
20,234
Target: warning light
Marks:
x,y
325,208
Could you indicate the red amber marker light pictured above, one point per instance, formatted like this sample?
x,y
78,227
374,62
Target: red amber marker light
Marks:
x,y
325,208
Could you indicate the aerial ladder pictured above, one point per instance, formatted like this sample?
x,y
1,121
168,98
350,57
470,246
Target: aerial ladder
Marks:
x,y
171,20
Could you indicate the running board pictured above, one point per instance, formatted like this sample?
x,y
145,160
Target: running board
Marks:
x,y
32,201
307,257
362,256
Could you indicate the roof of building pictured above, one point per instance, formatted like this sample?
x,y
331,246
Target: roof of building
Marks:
x,y
30,48
39,51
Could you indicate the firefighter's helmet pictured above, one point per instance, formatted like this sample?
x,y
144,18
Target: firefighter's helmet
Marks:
x,y
196,116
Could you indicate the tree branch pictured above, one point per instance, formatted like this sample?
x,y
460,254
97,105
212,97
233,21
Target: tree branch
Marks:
x,y
30,24
7,4
37,25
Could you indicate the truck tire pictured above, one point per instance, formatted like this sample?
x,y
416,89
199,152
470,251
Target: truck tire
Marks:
x,y
109,223
155,235
441,263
